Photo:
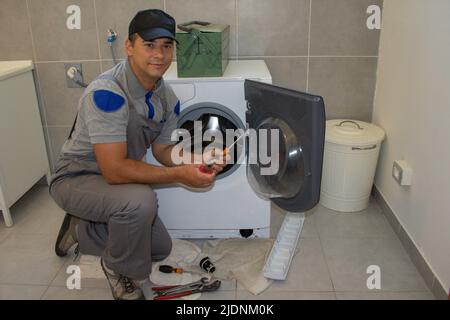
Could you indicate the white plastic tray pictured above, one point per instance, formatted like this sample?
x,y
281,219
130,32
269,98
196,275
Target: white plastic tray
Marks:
x,y
280,257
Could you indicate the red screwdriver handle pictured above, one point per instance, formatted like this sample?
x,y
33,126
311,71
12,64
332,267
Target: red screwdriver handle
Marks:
x,y
205,169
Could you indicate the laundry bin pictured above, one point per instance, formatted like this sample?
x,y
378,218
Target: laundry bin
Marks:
x,y
349,164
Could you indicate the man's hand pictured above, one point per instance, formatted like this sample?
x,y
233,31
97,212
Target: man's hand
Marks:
x,y
216,159
191,176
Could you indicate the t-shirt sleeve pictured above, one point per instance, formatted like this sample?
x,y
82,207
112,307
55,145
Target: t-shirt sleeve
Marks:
x,y
171,123
105,110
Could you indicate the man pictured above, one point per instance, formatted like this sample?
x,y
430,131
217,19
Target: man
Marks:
x,y
100,178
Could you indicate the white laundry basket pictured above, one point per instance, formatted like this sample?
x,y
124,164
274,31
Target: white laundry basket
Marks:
x,y
349,164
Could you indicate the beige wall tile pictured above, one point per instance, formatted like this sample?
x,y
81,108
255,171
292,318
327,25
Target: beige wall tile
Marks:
x,y
346,84
339,28
15,31
116,15
288,72
273,27
53,41
60,102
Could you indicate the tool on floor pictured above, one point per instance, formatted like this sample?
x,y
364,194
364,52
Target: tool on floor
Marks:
x,y
207,265
171,292
208,167
169,269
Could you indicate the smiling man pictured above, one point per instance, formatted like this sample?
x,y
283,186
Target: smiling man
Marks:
x,y
100,179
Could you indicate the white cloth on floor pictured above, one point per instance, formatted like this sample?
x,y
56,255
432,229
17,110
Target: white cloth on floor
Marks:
x,y
241,259
237,258
183,255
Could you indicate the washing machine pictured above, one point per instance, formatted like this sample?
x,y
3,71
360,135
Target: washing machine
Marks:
x,y
239,202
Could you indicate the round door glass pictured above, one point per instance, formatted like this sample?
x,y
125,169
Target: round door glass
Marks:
x,y
275,163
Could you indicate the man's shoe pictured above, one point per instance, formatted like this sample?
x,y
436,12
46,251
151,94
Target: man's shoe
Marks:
x,y
122,288
67,235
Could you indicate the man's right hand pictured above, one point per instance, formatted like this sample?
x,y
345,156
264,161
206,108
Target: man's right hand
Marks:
x,y
191,176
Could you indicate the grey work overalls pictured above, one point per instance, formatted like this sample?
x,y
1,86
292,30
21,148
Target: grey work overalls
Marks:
x,y
119,222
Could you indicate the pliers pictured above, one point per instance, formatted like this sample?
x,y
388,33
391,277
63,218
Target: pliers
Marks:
x,y
171,292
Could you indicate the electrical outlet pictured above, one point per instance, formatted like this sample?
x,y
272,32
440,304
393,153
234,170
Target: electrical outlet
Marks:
x,y
402,172
79,75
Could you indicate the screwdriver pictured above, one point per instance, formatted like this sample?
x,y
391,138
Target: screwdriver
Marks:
x,y
169,269
207,168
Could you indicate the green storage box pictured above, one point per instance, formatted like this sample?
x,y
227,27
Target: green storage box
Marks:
x,y
202,49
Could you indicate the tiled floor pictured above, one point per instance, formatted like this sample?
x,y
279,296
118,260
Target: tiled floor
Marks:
x,y
334,252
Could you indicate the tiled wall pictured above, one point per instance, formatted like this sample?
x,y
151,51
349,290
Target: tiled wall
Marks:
x,y
320,46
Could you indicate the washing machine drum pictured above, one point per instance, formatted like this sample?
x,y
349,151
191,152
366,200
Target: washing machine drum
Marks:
x,y
213,123
214,120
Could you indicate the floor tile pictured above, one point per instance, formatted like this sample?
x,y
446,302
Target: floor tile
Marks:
x,y
28,259
348,260
228,285
31,268
277,217
4,234
218,295
370,222
21,292
62,293
308,270
286,295
309,229
63,274
45,219
425,295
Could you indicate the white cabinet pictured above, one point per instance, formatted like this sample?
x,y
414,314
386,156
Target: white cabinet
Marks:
x,y
23,156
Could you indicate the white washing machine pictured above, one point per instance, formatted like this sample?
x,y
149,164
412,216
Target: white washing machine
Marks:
x,y
238,204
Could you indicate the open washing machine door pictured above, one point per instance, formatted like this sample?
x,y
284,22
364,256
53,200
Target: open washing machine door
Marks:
x,y
289,128
284,160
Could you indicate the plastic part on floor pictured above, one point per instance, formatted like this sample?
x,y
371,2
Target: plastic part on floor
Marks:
x,y
280,257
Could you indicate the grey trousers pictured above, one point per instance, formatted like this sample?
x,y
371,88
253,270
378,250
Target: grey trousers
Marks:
x,y
119,222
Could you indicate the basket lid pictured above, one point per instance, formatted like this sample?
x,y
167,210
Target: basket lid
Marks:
x,y
352,132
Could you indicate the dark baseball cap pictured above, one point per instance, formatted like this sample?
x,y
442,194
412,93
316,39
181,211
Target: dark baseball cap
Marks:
x,y
152,24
